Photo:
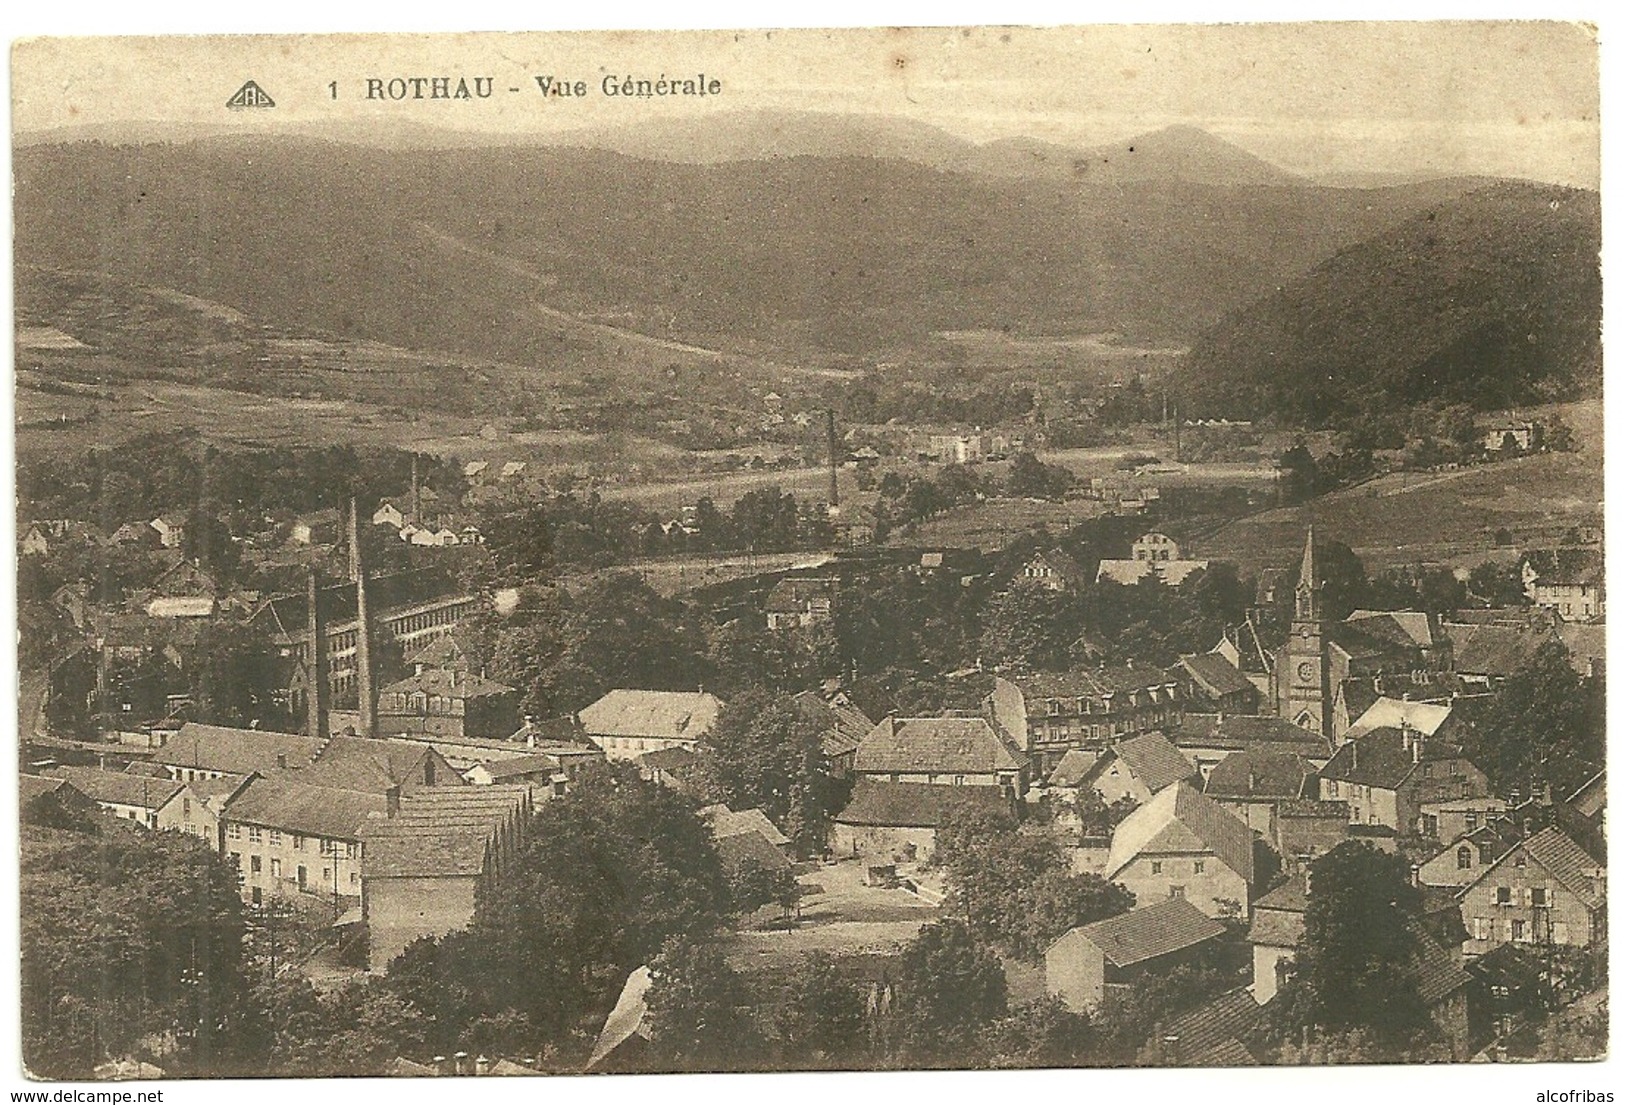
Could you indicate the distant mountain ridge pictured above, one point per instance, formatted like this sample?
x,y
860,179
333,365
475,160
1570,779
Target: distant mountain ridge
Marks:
x,y
1175,153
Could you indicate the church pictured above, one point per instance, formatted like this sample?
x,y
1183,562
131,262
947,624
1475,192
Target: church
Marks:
x,y
1323,659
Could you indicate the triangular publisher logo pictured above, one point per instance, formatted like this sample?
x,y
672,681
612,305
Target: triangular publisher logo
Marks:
x,y
250,95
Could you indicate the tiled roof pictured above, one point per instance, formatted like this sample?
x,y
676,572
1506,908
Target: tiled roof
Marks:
x,y
1259,775
448,683
1153,760
286,615
1566,860
1391,713
1210,1035
441,831
521,765
1182,819
1379,759
1150,931
1072,768
1403,627
304,808
1358,695
1362,643
670,715
742,848
846,725
940,745
1063,564
1130,572
629,1017
1495,650
117,787
1090,682
726,822
238,751
910,805
444,652
668,759
1569,566
1238,731
1437,975
1278,923
1215,675
360,763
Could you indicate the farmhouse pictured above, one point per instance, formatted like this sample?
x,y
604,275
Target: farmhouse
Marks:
x,y
1183,844
628,723
1087,963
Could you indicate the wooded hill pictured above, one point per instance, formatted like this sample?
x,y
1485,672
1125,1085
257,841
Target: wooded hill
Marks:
x,y
1492,298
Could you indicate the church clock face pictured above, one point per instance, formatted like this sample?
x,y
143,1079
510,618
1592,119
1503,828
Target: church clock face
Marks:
x,y
1306,672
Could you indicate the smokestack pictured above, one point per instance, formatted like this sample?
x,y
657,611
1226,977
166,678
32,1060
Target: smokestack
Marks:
x,y
417,494
834,458
316,699
366,692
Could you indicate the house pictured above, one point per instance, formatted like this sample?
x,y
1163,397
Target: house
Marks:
x,y
52,802
422,867
1469,855
136,534
898,821
623,1043
539,771
445,653
450,702
1130,573
150,803
668,766
726,823
1307,828
1275,932
380,766
800,603
388,514
1455,818
1055,570
320,527
1206,739
1514,437
511,469
844,726
36,541
171,530
1138,768
199,751
628,723
1215,683
1567,580
1048,714
1183,844
1253,783
1587,643
1484,655
1110,956
1072,770
1388,774
1216,1033
1433,720
1545,890
475,468
289,838
956,751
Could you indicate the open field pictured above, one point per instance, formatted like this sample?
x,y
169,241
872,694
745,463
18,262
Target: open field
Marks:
x,y
1447,518
992,524
839,916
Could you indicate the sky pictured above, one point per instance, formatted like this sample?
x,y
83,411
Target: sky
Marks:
x,y
1502,98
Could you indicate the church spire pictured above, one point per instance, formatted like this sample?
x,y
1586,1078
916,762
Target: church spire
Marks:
x,y
1308,582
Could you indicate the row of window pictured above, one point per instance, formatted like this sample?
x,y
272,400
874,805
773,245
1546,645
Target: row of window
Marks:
x,y
256,867
259,835
1517,931
1531,895
1055,707
1198,867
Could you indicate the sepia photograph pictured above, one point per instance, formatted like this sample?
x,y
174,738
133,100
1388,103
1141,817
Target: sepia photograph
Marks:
x,y
852,549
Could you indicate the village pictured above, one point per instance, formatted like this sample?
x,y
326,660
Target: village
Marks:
x,y
1117,797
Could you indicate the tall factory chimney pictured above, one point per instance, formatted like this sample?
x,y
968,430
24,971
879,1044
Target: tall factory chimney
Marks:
x,y
366,692
417,494
317,700
834,459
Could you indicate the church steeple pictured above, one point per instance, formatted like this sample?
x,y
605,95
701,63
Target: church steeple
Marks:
x,y
1308,593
